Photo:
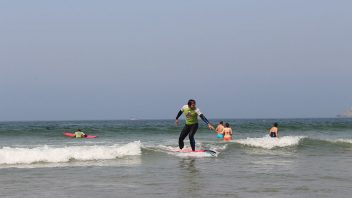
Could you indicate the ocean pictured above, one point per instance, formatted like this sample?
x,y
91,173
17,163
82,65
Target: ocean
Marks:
x,y
137,158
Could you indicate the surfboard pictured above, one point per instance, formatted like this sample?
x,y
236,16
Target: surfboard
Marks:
x,y
211,152
68,134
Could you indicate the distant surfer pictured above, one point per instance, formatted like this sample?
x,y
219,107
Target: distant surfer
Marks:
x,y
191,113
227,132
79,134
274,131
218,130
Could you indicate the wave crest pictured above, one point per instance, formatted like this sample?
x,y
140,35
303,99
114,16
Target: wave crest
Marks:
x,y
349,141
47,154
270,143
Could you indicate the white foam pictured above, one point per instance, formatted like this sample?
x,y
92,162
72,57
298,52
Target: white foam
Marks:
x,y
343,141
48,154
268,142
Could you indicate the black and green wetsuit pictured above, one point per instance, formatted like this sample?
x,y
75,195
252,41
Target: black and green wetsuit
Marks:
x,y
191,125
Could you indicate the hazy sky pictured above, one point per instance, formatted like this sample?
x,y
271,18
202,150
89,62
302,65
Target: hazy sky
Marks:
x,y
64,60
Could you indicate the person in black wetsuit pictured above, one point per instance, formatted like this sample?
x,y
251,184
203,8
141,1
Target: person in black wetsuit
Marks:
x,y
191,113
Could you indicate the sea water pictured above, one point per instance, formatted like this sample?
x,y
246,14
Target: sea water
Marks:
x,y
312,158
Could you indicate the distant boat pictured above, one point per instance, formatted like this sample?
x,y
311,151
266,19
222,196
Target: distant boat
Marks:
x,y
133,118
346,114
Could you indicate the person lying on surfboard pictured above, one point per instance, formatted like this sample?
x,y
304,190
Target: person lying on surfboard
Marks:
x,y
80,134
191,113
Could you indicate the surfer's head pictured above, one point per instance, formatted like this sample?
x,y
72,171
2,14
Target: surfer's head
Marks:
x,y
227,125
275,124
191,103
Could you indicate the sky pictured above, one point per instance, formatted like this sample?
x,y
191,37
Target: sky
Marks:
x,y
92,60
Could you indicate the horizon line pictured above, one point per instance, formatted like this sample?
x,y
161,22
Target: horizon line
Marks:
x,y
151,119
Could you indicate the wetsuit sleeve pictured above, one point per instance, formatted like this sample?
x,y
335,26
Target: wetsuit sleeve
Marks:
x,y
179,114
204,118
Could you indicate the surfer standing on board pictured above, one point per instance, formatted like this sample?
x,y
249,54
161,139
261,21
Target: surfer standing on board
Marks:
x,y
191,113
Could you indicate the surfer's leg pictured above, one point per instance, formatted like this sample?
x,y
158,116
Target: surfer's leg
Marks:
x,y
194,128
183,135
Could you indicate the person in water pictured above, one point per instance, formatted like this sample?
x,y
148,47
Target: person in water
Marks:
x,y
79,134
274,131
191,113
227,132
219,129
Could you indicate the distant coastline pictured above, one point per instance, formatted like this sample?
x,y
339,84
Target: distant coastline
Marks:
x,y
346,114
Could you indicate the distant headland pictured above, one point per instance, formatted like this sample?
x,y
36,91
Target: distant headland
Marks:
x,y
346,114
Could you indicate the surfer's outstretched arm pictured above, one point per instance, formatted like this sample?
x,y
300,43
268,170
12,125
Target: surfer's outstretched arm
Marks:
x,y
204,118
206,121
178,115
